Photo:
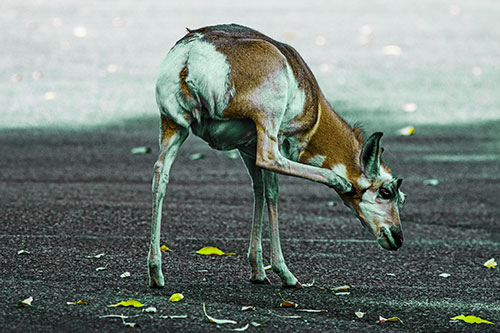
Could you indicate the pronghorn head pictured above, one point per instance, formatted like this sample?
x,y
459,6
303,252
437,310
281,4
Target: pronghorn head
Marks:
x,y
376,199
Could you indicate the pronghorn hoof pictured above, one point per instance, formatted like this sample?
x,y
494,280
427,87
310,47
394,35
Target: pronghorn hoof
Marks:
x,y
265,281
154,283
295,286
156,280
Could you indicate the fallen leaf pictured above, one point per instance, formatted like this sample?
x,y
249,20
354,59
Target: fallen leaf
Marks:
x,y
217,321
239,329
307,285
390,274
150,309
343,293
431,182
383,320
174,317
341,288
359,314
286,317
122,317
102,268
125,275
77,302
163,248
491,263
23,252
210,250
196,156
134,303
472,320
444,275
97,256
25,302
248,308
176,297
128,324
255,324
140,150
311,310
287,304
407,131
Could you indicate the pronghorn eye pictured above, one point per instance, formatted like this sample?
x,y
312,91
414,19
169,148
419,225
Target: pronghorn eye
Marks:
x,y
385,193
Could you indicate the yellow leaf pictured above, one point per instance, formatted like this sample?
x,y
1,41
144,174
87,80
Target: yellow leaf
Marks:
x,y
210,250
341,288
383,320
134,303
176,297
217,321
490,263
407,131
77,302
472,320
163,248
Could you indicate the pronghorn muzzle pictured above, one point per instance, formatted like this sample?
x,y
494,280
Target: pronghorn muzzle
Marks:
x,y
390,238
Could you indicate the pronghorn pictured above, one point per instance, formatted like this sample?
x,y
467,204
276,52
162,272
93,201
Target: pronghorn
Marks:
x,y
238,89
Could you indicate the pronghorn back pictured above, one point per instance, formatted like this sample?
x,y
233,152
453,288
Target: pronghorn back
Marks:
x,y
224,72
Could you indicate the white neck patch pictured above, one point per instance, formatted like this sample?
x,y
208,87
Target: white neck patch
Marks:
x,y
340,170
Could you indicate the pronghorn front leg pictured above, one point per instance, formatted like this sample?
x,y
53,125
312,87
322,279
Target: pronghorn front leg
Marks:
x,y
270,158
172,136
277,261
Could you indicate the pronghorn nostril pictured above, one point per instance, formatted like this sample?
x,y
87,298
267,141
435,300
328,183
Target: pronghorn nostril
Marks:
x,y
397,236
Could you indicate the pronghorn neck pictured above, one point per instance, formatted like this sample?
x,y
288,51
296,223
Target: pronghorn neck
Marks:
x,y
334,144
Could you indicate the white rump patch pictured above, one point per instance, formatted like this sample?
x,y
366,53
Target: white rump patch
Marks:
x,y
208,77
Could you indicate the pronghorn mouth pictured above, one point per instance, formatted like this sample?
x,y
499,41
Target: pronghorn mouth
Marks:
x,y
390,238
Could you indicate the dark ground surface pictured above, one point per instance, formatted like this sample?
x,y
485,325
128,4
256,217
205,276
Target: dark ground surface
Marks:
x,y
68,195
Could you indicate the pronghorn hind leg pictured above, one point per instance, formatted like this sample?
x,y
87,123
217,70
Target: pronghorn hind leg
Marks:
x,y
171,138
257,273
271,188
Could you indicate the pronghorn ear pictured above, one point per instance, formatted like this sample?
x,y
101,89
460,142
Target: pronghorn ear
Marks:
x,y
371,155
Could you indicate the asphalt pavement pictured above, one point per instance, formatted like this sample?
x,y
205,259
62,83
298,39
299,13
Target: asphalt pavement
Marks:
x,y
69,195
